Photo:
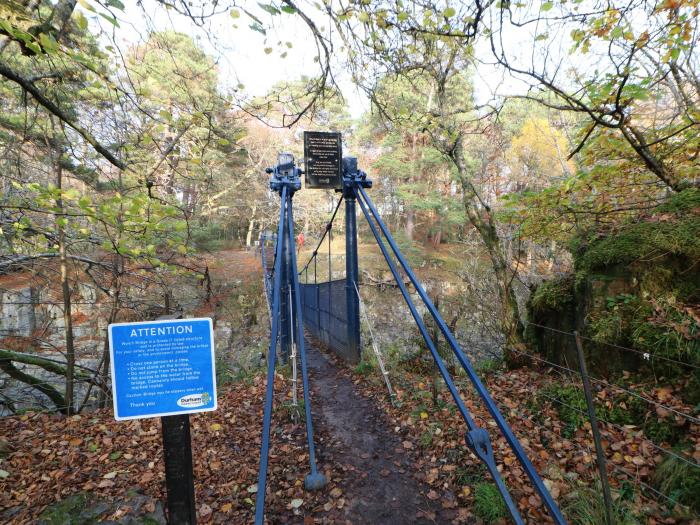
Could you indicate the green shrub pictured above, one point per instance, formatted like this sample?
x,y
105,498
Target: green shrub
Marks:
x,y
662,430
211,237
627,410
488,503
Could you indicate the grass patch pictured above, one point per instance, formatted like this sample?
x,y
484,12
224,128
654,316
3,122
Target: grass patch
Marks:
x,y
489,365
488,503
365,368
227,374
680,481
586,506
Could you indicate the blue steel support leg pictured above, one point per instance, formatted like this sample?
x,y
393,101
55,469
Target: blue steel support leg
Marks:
x,y
271,358
285,335
314,480
351,277
507,432
477,438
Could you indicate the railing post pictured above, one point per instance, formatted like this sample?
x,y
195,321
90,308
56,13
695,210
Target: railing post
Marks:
x,y
351,265
600,454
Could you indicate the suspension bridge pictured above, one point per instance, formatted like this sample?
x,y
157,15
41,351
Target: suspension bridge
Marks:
x,y
330,312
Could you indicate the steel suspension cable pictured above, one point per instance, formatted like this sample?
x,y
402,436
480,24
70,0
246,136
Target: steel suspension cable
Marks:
x,y
483,447
507,432
271,358
375,347
329,225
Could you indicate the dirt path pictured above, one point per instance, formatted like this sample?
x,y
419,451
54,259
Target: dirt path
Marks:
x,y
379,487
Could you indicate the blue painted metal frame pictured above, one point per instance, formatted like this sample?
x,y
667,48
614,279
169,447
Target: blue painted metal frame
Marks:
x,y
352,301
477,437
507,432
271,358
314,480
286,181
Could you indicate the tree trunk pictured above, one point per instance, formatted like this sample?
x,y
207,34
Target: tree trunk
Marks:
x,y
104,373
481,218
66,292
251,227
409,223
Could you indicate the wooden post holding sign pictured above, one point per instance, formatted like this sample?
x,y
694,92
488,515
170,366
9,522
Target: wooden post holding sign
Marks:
x,y
323,160
165,368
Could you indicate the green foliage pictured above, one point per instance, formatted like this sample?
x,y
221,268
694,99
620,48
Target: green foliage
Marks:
x,y
470,474
488,503
665,327
294,412
365,368
570,405
662,430
77,509
572,409
489,365
680,481
425,440
210,238
691,392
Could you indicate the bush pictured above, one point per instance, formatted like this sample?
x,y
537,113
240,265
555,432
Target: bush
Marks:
x,y
211,237
571,406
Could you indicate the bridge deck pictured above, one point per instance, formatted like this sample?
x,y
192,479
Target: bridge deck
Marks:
x,y
380,486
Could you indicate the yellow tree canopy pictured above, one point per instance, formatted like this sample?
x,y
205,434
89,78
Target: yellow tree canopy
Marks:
x,y
538,155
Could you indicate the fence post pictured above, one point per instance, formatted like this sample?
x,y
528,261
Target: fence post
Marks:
x,y
600,454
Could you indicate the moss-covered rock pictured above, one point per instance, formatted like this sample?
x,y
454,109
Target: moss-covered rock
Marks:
x,y
638,288
672,229
553,295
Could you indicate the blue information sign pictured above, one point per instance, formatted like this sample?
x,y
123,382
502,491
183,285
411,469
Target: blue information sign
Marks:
x,y
162,368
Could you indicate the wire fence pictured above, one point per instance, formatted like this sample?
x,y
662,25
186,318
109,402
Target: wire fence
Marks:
x,y
635,433
645,355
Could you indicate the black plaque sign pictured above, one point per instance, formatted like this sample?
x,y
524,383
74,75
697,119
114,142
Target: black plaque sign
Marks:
x,y
323,153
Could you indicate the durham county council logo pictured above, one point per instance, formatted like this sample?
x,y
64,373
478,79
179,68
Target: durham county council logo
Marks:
x,y
194,400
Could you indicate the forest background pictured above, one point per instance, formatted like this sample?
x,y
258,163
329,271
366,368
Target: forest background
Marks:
x,y
537,161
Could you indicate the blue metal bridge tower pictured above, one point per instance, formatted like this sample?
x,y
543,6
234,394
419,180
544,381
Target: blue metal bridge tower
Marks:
x,y
330,312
